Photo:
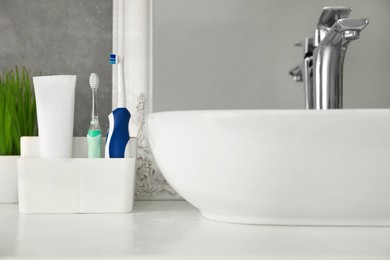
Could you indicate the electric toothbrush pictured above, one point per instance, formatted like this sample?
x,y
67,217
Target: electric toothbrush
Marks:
x,y
118,136
94,136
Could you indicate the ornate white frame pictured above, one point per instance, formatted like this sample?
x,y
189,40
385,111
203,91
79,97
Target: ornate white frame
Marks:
x,y
133,40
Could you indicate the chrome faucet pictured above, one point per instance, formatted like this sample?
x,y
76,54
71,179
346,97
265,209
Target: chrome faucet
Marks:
x,y
322,66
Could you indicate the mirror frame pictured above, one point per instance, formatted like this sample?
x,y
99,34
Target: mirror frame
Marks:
x,y
133,40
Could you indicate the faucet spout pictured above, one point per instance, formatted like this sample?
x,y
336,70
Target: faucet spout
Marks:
x,y
329,60
351,28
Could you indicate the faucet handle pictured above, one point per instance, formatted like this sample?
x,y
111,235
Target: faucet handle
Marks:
x,y
329,16
348,24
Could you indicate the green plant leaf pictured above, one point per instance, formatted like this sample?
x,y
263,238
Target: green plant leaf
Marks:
x,y
17,110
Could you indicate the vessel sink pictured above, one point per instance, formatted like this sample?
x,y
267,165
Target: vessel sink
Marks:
x,y
278,167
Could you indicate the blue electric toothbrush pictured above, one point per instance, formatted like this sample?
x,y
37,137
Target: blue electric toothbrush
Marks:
x,y
118,136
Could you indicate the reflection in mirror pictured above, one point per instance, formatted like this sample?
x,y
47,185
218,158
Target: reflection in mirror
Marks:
x,y
236,54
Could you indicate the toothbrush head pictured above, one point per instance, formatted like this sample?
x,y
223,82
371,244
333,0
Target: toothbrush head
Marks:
x,y
94,80
113,59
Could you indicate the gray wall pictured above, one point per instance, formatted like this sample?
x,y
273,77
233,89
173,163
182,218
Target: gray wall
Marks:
x,y
218,54
61,37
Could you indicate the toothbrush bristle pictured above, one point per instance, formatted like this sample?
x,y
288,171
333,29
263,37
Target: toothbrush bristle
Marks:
x,y
94,80
113,58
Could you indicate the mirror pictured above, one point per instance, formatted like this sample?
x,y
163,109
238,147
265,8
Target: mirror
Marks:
x,y
236,54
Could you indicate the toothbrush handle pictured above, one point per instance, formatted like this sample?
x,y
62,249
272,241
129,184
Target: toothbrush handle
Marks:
x,y
118,135
94,138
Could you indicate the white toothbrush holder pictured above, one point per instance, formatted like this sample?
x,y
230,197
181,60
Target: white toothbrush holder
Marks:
x,y
55,97
76,185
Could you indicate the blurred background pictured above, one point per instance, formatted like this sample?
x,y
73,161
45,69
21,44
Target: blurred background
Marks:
x,y
51,37
208,54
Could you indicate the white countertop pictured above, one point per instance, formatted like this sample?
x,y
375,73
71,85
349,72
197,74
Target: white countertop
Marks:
x,y
176,230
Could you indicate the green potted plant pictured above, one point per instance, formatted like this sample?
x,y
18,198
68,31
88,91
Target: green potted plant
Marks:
x,y
17,118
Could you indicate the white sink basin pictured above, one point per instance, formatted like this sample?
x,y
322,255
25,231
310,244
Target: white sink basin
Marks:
x,y
282,167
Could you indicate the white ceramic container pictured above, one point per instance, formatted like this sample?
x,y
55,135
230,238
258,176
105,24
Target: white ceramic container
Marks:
x,y
55,97
76,185
8,179
283,167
